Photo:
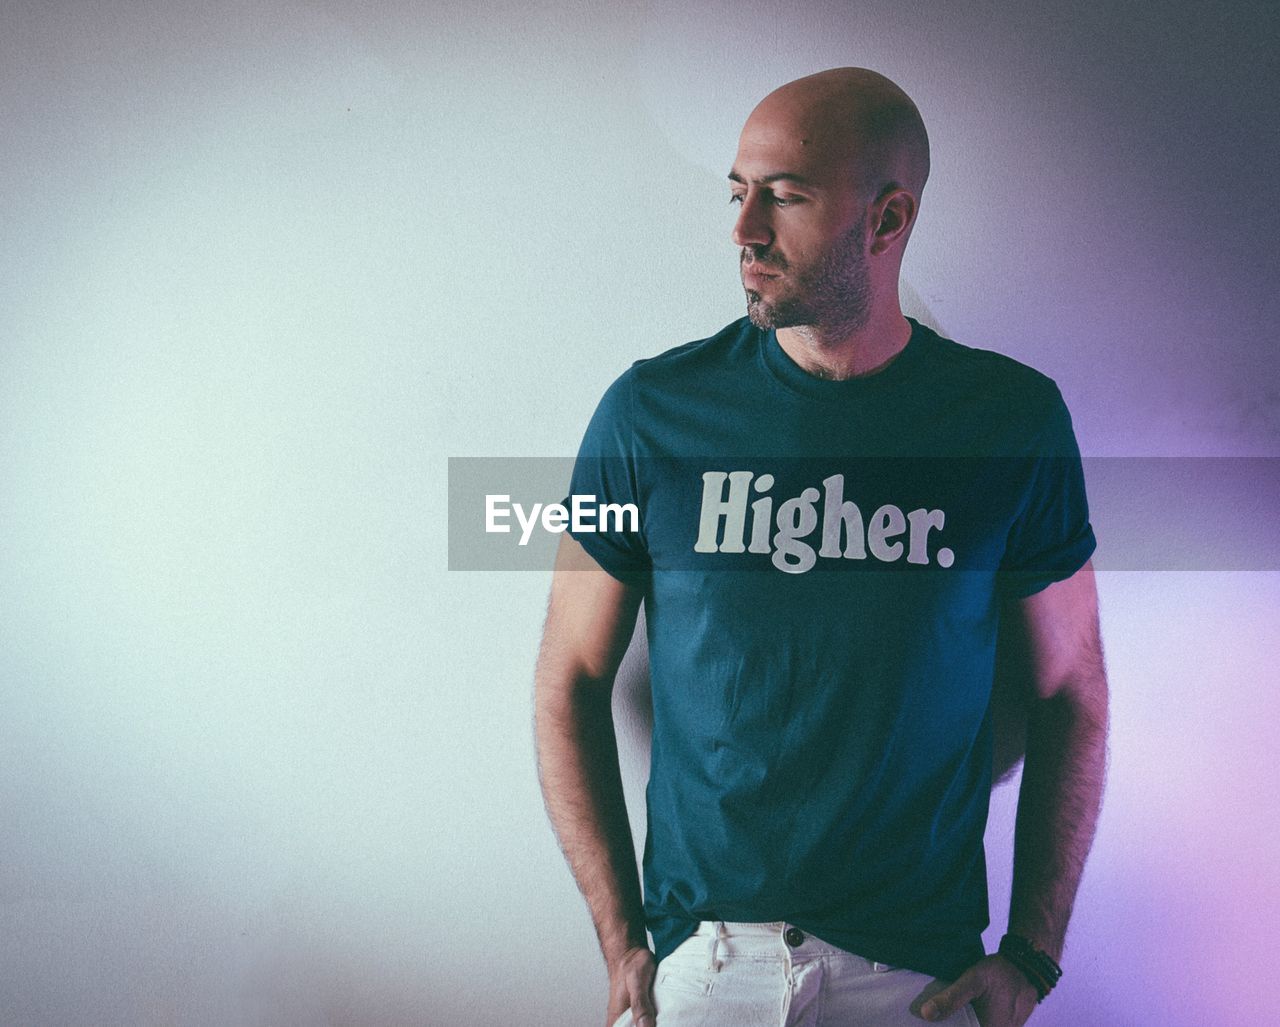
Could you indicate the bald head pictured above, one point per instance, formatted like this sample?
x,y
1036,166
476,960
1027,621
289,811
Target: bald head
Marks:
x,y
828,177
852,117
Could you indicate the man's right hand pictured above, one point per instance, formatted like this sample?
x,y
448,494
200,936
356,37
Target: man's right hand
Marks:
x,y
631,987
590,620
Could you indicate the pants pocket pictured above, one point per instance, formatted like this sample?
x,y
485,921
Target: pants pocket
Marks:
x,y
686,982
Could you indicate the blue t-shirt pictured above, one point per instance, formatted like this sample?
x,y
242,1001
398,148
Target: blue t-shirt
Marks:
x,y
822,564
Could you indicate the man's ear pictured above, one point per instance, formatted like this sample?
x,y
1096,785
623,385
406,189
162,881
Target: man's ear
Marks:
x,y
892,215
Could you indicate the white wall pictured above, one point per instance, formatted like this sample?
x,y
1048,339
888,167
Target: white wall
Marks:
x,y
263,758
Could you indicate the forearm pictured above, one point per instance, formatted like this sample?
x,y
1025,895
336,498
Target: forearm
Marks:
x,y
582,786
1058,805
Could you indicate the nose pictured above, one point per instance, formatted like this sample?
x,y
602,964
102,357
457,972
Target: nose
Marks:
x,y
752,227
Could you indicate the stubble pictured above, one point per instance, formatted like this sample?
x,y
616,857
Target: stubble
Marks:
x,y
832,296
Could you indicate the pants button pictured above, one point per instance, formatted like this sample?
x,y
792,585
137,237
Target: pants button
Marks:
x,y
794,937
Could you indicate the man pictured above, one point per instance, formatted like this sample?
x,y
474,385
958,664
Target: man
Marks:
x,y
837,509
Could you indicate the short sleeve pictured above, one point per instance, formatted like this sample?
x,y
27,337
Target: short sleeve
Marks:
x,y
1051,538
605,479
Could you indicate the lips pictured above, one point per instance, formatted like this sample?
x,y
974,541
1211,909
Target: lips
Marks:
x,y
751,276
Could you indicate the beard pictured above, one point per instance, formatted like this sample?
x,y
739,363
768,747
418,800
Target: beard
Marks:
x,y
832,294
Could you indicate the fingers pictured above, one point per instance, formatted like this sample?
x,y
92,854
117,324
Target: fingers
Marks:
x,y
631,988
642,1013
642,1007
965,989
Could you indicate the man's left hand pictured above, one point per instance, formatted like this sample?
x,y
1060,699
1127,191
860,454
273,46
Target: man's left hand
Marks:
x,y
1000,992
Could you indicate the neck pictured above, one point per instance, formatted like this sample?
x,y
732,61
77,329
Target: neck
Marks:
x,y
838,353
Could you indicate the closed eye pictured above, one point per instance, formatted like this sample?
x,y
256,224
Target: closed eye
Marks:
x,y
777,201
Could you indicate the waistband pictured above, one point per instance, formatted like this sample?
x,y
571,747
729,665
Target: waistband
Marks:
x,y
731,928
719,941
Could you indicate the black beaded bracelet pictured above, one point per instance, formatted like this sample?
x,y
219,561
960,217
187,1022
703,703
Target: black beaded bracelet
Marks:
x,y
1038,967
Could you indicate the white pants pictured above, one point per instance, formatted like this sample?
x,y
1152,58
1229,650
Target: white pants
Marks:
x,y
773,975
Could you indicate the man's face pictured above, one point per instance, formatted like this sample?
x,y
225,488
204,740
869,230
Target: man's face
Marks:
x,y
800,228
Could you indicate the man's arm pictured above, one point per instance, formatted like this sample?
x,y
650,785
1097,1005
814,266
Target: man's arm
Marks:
x,y
1060,796
590,619
1062,778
